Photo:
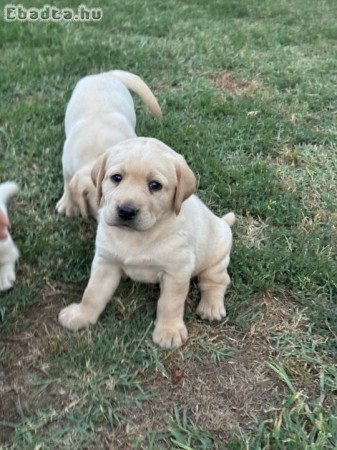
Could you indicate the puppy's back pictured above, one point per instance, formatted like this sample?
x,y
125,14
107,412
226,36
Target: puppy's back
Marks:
x,y
97,95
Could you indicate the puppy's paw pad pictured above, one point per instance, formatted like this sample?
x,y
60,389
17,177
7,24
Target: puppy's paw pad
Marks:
x,y
74,317
7,278
170,337
209,311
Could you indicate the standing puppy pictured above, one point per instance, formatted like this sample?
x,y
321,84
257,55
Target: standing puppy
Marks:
x,y
151,228
8,251
99,115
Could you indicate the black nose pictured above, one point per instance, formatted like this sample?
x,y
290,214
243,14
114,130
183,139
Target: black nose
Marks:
x,y
127,212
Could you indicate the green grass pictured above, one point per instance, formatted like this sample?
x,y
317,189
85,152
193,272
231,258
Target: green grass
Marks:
x,y
248,92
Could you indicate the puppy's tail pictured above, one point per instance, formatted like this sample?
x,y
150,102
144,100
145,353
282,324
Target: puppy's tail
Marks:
x,y
7,190
229,218
137,85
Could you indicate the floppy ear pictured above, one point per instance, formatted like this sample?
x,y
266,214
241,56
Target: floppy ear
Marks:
x,y
97,175
186,184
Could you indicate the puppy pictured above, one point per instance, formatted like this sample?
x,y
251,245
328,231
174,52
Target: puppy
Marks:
x,y
152,229
8,251
100,114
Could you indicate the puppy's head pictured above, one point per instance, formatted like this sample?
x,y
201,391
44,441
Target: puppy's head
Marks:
x,y
141,181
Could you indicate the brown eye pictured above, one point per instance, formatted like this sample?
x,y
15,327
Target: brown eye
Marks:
x,y
116,178
155,186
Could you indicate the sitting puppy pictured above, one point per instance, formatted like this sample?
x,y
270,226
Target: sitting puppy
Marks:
x,y
151,228
99,115
8,251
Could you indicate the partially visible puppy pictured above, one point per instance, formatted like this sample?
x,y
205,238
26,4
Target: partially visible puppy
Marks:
x,y
8,251
152,229
99,115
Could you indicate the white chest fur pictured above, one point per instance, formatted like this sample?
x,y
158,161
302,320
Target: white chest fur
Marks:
x,y
141,256
146,274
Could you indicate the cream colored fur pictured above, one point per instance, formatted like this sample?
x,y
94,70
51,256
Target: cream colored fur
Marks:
x,y
172,238
99,114
8,251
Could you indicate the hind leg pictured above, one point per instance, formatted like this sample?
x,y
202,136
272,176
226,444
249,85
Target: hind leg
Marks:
x,y
213,283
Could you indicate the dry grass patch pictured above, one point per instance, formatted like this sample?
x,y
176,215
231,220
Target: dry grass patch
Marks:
x,y
291,156
252,231
221,396
288,155
228,82
219,399
221,377
25,356
278,316
288,330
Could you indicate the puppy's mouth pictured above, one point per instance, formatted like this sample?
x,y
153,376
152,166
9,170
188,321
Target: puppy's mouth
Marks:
x,y
133,225
126,224
130,225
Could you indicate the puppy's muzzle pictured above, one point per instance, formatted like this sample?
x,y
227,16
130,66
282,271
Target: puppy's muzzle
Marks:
x,y
127,212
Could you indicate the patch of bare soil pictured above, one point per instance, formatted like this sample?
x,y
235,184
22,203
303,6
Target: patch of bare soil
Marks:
x,y
235,393
24,356
227,81
222,398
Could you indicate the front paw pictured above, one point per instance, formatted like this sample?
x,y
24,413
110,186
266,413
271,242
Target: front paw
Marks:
x,y
67,207
170,336
75,316
211,310
7,277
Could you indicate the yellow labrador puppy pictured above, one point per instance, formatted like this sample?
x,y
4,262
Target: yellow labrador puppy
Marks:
x,y
151,228
99,115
